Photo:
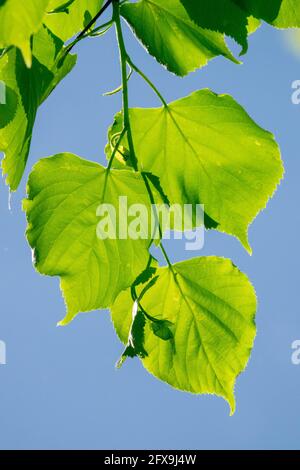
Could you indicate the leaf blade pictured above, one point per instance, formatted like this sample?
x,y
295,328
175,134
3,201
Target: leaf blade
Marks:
x,y
212,306
215,155
66,24
167,32
64,193
19,21
30,87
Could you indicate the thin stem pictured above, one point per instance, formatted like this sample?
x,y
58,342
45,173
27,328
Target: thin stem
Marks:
x,y
95,33
123,60
147,80
81,35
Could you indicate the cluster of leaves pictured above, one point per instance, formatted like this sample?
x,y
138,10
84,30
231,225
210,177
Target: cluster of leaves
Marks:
x,y
192,324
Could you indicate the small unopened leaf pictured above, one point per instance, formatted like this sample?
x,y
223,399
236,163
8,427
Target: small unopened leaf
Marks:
x,y
136,337
162,329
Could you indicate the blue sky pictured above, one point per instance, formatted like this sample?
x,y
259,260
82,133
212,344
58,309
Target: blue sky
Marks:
x,y
59,388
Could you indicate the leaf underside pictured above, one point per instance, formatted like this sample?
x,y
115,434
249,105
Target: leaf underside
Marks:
x,y
205,149
66,24
168,33
19,20
212,306
64,193
28,88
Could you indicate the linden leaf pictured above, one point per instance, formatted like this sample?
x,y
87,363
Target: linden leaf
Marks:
x,y
279,13
211,306
26,89
64,194
67,19
236,18
19,21
169,34
122,160
207,150
224,16
288,15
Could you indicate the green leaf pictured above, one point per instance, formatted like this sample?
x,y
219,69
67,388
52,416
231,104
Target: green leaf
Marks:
x,y
19,21
236,18
253,24
266,10
289,15
122,160
168,33
224,16
206,150
212,306
26,90
280,13
64,193
8,105
66,24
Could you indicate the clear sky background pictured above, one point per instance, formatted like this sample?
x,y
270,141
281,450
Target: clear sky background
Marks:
x,y
59,388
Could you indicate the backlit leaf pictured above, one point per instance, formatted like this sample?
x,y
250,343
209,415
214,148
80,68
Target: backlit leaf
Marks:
x,y
65,24
64,193
26,89
280,13
169,34
224,16
19,20
207,150
289,15
211,306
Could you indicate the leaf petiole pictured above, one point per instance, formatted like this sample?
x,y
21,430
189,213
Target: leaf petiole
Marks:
x,y
147,80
